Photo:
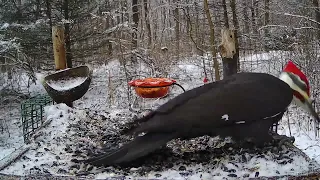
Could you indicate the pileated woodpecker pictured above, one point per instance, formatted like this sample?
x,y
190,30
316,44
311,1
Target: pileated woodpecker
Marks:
x,y
244,105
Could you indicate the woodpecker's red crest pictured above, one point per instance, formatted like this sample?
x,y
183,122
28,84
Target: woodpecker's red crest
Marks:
x,y
292,68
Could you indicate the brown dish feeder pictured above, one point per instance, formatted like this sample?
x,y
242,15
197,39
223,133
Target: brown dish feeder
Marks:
x,y
67,96
153,87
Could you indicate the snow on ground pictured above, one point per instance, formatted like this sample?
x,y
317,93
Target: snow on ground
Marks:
x,y
43,152
108,98
11,137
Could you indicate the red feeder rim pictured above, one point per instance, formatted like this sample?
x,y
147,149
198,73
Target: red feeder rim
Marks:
x,y
152,82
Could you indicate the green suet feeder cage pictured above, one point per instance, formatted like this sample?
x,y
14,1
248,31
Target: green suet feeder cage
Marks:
x,y
32,114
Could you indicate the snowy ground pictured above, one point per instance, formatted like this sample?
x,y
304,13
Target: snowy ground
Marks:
x,y
97,117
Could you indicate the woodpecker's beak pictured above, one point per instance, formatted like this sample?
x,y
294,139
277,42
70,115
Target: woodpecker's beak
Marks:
x,y
300,88
307,103
309,108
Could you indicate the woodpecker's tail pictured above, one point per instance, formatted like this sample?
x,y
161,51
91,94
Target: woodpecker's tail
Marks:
x,y
140,146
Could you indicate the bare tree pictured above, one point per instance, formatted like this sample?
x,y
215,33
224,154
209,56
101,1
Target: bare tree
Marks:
x,y
67,34
212,41
225,14
236,27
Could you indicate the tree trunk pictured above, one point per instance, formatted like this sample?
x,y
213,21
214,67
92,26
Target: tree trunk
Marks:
x,y
58,47
212,39
67,34
225,14
246,17
197,33
227,51
146,13
317,12
247,42
177,30
19,15
236,27
135,18
3,66
38,9
266,22
254,22
109,44
48,12
254,15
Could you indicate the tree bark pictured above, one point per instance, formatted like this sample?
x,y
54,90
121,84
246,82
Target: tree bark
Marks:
x,y
317,12
212,39
247,41
3,66
236,27
254,22
266,22
67,34
19,15
246,17
109,44
58,47
177,30
38,9
48,12
225,14
135,18
146,14
197,31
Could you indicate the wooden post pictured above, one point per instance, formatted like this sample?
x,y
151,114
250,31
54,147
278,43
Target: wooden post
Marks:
x,y
227,51
59,50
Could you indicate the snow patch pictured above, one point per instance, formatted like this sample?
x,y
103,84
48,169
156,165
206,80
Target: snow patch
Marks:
x,y
66,84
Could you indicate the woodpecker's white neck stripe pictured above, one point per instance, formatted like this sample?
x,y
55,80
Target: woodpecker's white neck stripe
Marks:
x,y
284,76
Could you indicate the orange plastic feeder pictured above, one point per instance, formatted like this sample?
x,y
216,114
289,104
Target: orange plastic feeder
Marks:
x,y
152,87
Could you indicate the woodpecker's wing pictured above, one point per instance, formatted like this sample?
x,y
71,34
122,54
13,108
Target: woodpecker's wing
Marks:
x,y
240,98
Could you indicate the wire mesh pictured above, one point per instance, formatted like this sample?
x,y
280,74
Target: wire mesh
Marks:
x,y
32,114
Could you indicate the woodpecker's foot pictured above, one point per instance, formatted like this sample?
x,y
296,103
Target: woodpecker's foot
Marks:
x,y
282,139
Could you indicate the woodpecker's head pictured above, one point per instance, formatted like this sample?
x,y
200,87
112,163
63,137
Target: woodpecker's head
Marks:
x,y
298,81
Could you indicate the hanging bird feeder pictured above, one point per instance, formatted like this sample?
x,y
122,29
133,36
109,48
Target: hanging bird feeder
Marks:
x,y
153,87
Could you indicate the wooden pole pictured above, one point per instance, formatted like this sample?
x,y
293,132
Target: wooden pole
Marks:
x,y
227,50
59,50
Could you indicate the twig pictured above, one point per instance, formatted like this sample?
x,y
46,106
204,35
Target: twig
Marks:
x,y
289,123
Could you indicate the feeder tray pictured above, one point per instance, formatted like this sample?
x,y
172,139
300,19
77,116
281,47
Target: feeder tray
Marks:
x,y
152,87
68,93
